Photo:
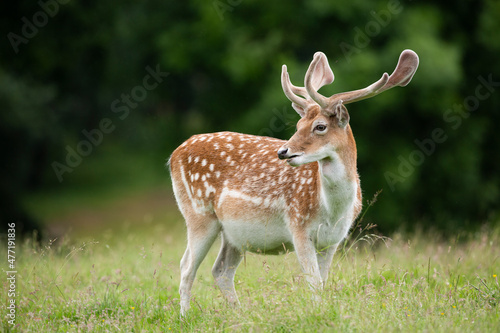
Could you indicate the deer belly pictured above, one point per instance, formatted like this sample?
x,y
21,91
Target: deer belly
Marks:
x,y
254,223
258,236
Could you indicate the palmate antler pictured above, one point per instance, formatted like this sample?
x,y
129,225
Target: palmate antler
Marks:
x,y
319,74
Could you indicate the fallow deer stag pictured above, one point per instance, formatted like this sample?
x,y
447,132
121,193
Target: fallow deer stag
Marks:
x,y
269,196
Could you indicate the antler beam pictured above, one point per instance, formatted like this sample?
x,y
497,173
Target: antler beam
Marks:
x,y
401,76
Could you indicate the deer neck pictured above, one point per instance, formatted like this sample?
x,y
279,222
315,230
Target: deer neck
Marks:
x,y
338,174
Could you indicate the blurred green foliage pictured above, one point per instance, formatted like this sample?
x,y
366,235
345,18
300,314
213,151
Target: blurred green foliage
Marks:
x,y
80,62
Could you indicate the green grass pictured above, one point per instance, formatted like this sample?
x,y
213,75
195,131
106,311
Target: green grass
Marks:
x,y
112,265
125,279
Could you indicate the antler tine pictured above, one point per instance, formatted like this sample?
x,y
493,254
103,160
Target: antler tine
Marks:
x,y
292,92
404,71
319,59
401,76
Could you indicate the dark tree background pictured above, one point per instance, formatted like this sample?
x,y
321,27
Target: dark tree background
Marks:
x,y
97,77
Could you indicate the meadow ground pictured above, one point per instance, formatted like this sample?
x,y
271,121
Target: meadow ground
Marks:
x,y
119,272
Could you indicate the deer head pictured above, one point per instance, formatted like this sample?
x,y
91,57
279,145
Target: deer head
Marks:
x,y
324,127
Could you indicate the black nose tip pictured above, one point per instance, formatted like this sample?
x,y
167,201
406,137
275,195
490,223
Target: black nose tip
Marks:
x,y
282,153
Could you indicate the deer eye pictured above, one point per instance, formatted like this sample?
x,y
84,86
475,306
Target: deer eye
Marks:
x,y
320,128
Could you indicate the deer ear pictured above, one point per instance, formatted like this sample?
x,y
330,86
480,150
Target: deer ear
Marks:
x,y
299,109
342,114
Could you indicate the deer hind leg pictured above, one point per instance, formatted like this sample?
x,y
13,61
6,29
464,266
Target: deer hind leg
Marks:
x,y
224,270
201,233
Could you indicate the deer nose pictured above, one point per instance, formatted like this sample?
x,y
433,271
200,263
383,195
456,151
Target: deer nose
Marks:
x,y
282,153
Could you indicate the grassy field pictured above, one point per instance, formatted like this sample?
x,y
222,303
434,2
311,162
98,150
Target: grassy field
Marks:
x,y
120,272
